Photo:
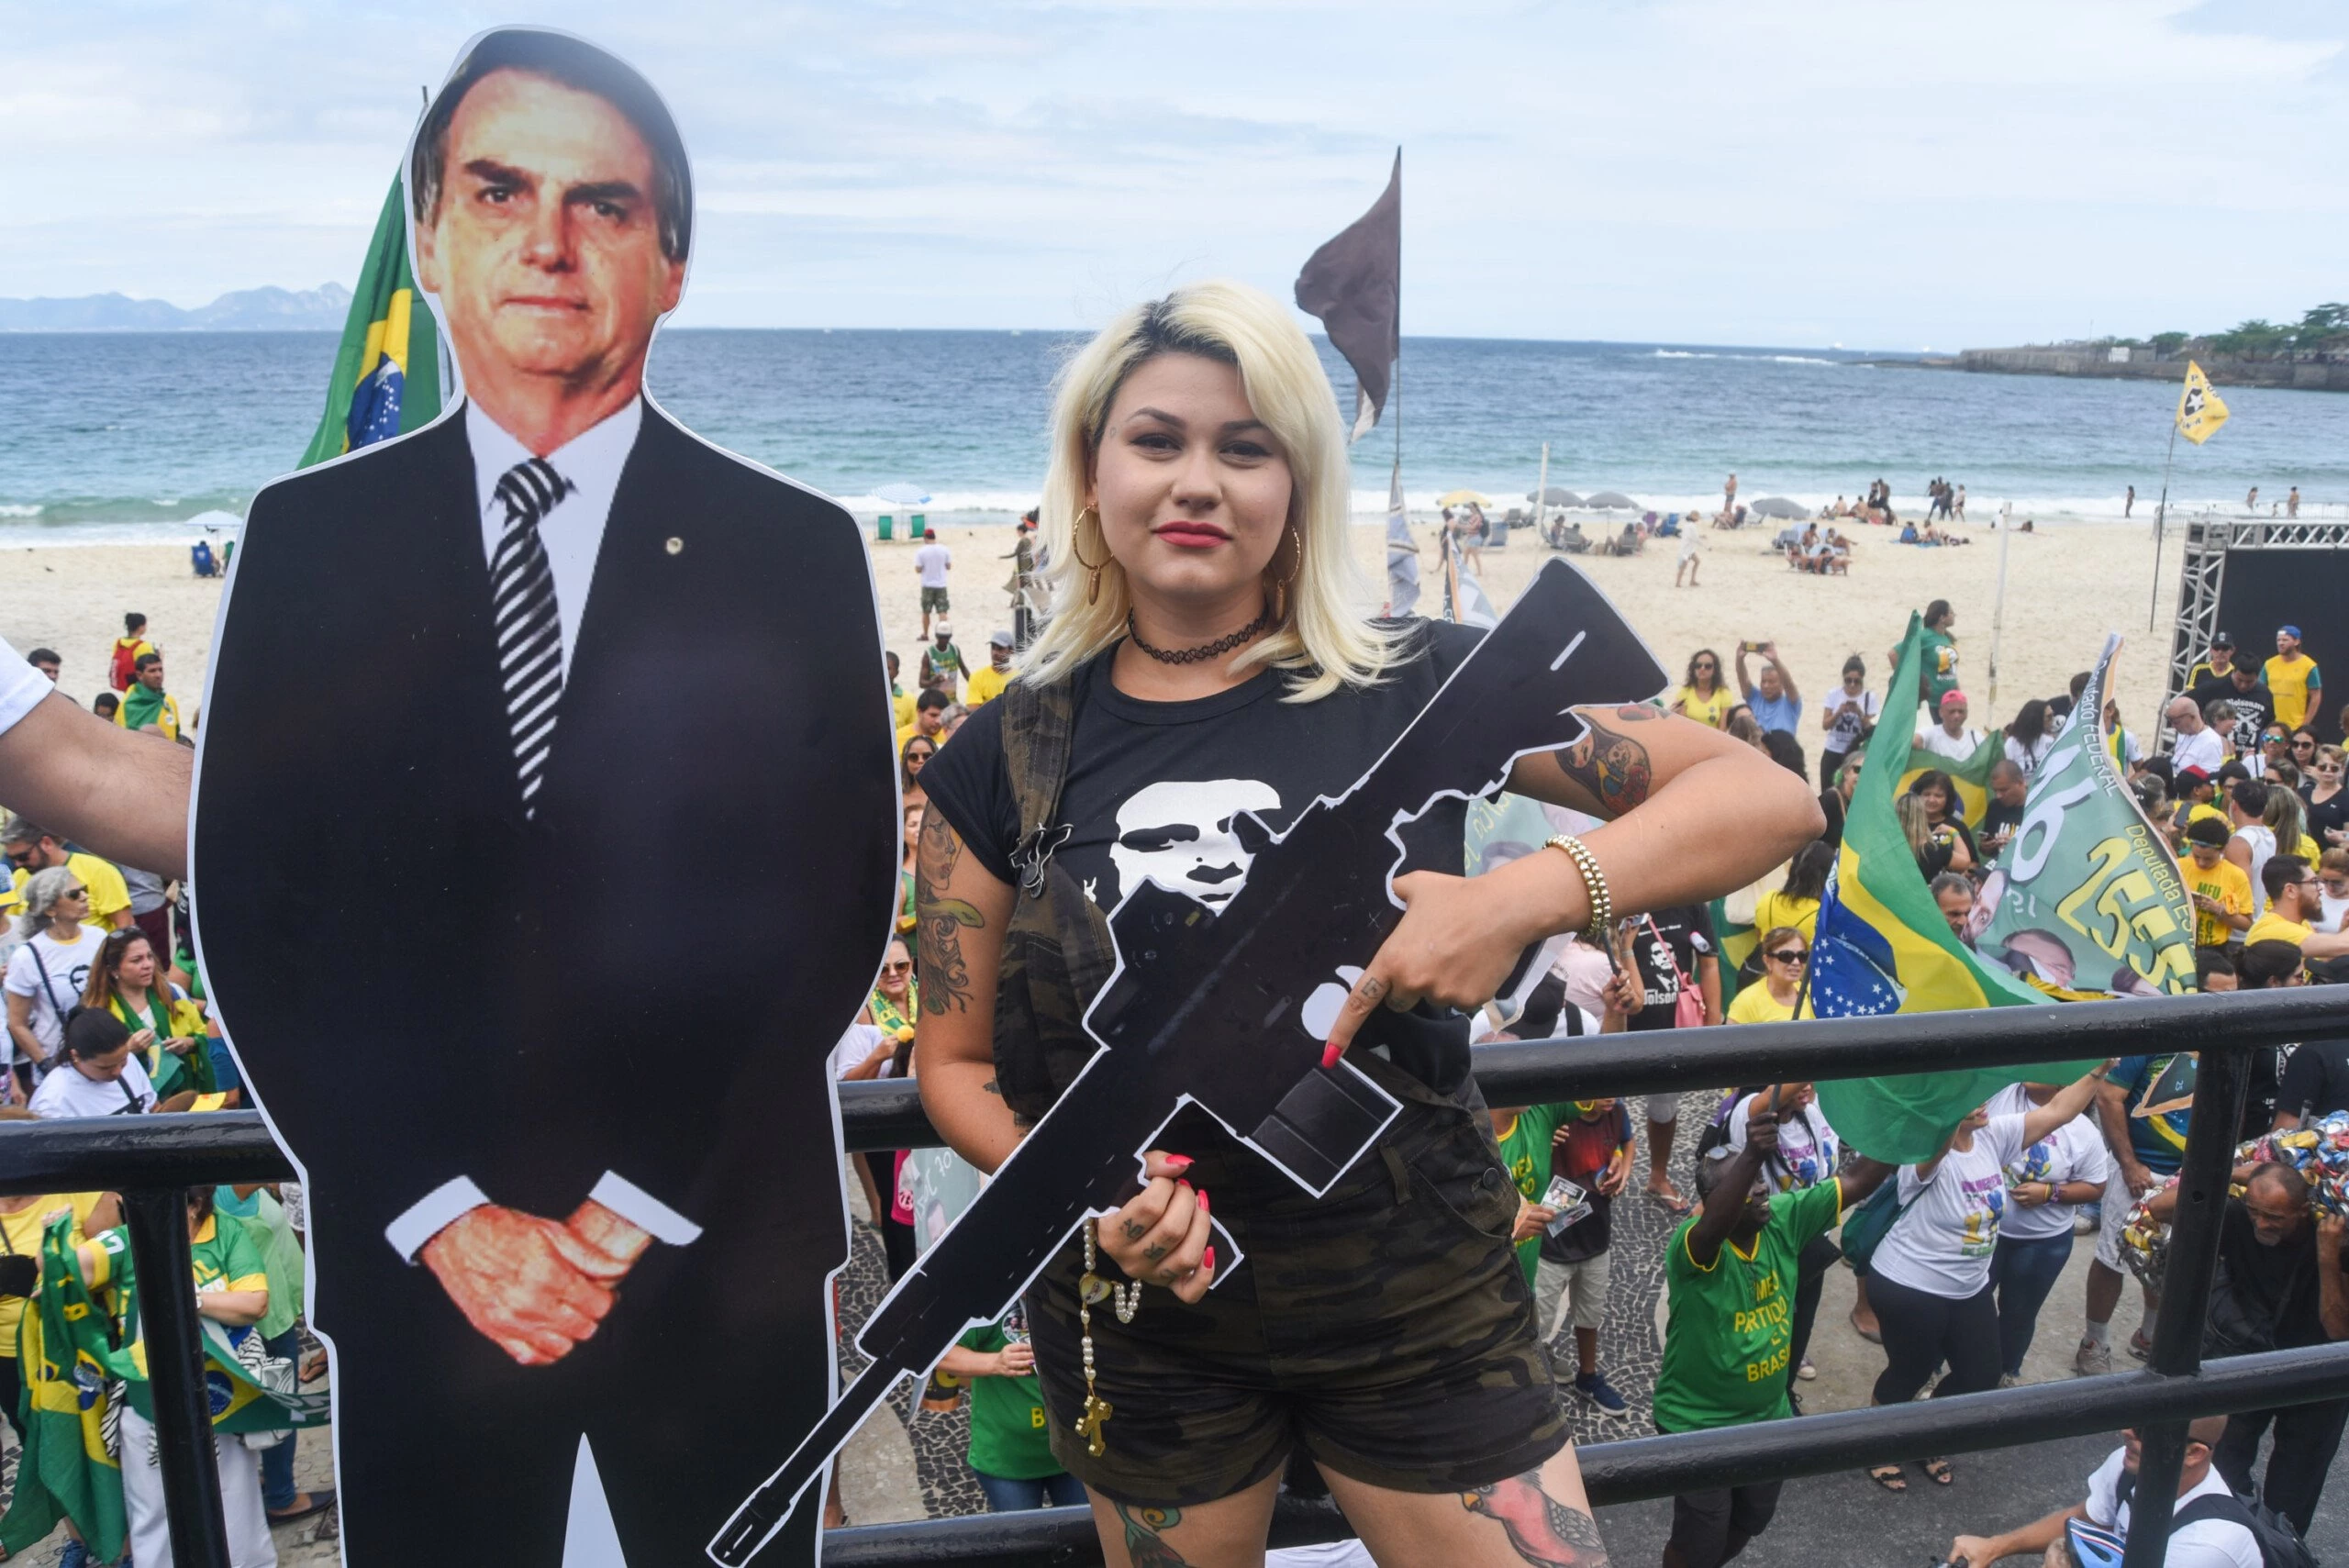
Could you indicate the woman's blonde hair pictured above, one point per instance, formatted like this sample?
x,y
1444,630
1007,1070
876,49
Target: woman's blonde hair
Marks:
x,y
1326,642
1915,822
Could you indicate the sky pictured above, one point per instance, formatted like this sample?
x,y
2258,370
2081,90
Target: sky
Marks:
x,y
1877,173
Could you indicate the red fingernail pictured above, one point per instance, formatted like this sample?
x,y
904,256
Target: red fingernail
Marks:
x,y
1180,1162
1203,1200
1185,1185
1330,1054
1206,1260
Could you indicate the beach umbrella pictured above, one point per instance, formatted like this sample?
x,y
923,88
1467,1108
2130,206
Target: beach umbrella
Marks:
x,y
1611,501
1462,498
902,495
1778,507
1555,497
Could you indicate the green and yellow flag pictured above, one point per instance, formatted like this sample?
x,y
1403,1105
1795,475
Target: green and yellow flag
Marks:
x,y
67,1368
386,377
2200,412
1884,947
1971,774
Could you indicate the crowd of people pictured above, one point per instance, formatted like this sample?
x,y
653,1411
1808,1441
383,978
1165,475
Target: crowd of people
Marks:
x,y
107,1015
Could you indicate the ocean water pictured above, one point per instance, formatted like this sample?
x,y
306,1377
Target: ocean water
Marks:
x,y
137,437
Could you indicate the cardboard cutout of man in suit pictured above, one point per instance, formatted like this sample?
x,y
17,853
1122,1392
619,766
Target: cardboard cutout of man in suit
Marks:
x,y
531,937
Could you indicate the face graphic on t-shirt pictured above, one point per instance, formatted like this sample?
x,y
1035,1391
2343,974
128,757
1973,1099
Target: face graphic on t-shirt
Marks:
x,y
1177,832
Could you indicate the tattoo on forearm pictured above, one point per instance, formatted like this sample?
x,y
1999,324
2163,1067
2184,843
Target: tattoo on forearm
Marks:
x,y
945,974
1544,1532
1613,767
1146,1536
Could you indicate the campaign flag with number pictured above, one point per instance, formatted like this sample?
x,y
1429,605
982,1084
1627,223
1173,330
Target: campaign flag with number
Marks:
x,y
1883,945
2087,897
2200,412
386,379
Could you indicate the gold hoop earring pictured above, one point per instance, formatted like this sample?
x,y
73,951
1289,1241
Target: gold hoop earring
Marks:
x,y
1280,584
1092,588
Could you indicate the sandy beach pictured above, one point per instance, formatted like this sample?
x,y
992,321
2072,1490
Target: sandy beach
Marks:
x,y
2067,584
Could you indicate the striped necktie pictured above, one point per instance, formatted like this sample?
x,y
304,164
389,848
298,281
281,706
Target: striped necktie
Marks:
x,y
529,632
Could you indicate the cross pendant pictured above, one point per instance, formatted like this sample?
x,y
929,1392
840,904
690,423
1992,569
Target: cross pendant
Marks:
x,y
1088,1425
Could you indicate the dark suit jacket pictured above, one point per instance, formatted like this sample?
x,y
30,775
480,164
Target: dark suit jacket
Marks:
x,y
420,982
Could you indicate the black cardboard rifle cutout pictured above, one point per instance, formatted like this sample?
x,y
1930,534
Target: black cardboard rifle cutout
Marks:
x,y
1190,984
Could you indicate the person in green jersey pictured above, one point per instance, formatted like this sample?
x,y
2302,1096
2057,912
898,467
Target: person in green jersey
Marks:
x,y
1526,1134
1730,1270
1011,1451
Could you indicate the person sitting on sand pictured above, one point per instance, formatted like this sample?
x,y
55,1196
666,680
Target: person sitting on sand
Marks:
x,y
1800,554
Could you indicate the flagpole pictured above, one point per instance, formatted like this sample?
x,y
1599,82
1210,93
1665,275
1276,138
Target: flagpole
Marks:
x,y
1998,605
2161,508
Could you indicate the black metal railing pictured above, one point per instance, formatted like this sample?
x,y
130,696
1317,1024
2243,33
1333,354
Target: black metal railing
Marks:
x,y
152,1161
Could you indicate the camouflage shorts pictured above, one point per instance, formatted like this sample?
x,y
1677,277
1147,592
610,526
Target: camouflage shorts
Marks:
x,y
1387,1327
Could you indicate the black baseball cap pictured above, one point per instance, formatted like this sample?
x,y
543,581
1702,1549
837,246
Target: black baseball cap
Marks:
x,y
2220,639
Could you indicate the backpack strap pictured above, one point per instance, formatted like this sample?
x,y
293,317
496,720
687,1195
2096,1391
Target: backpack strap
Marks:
x,y
1039,728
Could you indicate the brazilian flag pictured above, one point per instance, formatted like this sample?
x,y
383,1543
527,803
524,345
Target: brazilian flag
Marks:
x,y
1971,775
67,1353
1883,946
387,373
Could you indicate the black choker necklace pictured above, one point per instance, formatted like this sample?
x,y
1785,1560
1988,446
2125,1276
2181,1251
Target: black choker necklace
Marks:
x,y
1221,645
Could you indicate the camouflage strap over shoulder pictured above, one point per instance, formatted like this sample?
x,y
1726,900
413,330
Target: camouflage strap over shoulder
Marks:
x,y
1039,725
1057,953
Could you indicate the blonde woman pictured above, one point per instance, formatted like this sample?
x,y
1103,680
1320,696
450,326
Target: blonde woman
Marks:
x,y
1208,656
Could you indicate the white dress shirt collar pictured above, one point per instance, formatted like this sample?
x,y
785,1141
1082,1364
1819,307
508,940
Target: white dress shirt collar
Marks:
x,y
573,529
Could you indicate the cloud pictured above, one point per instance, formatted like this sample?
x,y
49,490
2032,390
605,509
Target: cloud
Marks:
x,y
1727,170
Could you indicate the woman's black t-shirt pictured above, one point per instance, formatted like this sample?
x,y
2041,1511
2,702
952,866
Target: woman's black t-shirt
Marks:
x,y
1153,786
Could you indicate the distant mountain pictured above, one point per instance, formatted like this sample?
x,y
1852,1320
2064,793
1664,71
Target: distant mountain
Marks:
x,y
245,310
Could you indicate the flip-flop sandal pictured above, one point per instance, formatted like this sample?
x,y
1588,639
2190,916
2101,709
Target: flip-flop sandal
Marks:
x,y
1888,1476
1937,1470
1680,1207
1874,1339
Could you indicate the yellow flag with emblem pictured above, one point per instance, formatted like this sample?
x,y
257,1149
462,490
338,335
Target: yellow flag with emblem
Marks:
x,y
2200,412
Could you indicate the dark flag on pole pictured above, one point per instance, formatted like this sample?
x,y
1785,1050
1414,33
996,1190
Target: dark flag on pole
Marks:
x,y
1355,284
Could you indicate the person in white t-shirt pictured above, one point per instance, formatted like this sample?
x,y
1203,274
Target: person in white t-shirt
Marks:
x,y
47,970
98,1072
2045,1187
2201,1542
932,561
2253,844
1846,716
2193,743
1951,737
1929,1278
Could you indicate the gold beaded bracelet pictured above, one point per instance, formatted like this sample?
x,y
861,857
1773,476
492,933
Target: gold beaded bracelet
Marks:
x,y
1594,882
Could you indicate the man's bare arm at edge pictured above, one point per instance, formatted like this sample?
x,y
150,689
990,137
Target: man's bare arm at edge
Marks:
x,y
121,795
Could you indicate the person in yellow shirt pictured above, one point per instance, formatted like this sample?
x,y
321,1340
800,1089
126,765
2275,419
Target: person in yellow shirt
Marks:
x,y
1785,956
987,682
901,702
122,658
2293,680
32,848
2295,901
1797,904
929,718
22,1221
145,704
2220,891
1705,698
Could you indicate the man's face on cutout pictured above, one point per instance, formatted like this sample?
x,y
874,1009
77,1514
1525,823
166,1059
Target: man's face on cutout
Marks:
x,y
545,250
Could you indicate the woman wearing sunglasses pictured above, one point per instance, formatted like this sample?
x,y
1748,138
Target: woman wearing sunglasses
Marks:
x,y
1703,696
54,955
1786,958
893,1008
2328,812
912,757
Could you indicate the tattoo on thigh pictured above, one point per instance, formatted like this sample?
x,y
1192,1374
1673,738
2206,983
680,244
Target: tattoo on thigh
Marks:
x,y
1613,767
1145,1536
1544,1532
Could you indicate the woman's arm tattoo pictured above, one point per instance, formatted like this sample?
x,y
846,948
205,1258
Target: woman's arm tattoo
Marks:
x,y
945,974
1610,765
1545,1532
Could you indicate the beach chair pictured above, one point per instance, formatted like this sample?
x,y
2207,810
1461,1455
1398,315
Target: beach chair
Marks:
x,y
889,525
200,557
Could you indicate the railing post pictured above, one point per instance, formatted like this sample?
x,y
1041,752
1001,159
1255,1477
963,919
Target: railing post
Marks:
x,y
183,1438
2222,1081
